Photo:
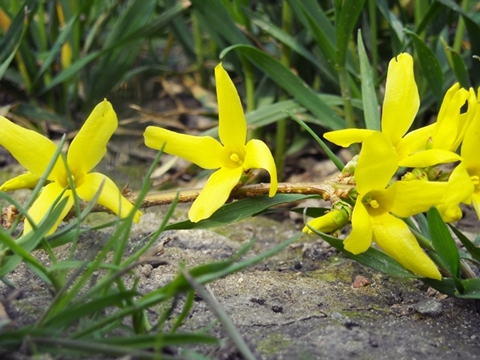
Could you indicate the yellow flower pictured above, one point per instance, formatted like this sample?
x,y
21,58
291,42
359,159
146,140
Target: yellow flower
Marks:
x,y
376,205
400,106
231,156
445,134
34,152
459,189
471,160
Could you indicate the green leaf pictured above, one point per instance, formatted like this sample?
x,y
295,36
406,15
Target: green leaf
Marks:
x,y
71,71
166,339
473,29
238,210
290,83
423,225
346,21
39,114
11,40
458,66
73,313
372,258
472,289
152,28
471,248
318,25
284,38
443,242
396,26
445,286
219,20
369,95
52,54
431,69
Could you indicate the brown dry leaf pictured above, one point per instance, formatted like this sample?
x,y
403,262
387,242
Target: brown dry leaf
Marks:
x,y
9,214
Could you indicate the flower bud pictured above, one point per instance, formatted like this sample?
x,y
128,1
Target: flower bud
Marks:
x,y
330,222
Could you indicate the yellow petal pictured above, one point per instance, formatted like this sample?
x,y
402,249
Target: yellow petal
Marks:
x,y
347,137
415,196
414,141
32,150
42,204
25,181
476,202
460,187
395,238
110,197
450,123
466,118
360,238
376,165
258,156
204,151
232,126
470,145
401,102
429,158
450,212
215,193
90,144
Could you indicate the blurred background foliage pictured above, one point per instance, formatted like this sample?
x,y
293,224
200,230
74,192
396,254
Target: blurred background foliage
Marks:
x,y
312,57
323,62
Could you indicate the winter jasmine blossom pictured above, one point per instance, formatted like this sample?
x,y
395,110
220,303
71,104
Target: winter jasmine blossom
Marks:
x,y
400,106
377,207
470,165
231,156
34,152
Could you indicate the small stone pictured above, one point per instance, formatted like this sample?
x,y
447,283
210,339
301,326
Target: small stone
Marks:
x,y
360,281
429,307
337,315
277,309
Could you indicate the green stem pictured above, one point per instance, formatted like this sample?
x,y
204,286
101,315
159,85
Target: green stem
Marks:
x,y
346,95
372,12
281,133
457,44
198,43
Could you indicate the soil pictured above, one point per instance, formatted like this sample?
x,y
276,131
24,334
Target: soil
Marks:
x,y
307,302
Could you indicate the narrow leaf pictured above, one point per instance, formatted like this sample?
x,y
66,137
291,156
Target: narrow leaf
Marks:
x,y
347,19
372,258
238,210
369,95
443,242
471,248
431,69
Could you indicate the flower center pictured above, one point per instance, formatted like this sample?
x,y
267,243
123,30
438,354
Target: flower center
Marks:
x,y
373,201
236,159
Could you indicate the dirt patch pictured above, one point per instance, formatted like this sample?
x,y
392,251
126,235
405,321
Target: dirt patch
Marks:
x,y
305,303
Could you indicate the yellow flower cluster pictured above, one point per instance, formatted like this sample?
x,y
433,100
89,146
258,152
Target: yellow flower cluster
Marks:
x,y
381,201
232,157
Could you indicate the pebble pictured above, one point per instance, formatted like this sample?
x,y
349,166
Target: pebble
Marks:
x,y
429,307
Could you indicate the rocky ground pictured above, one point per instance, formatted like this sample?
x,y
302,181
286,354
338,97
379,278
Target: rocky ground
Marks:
x,y
307,302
